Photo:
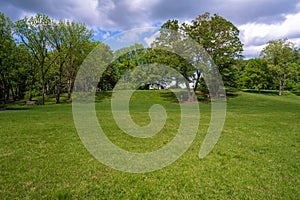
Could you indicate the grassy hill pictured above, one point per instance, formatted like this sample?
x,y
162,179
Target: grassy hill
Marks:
x,y
257,156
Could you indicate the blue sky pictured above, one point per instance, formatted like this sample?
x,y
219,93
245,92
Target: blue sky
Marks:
x,y
258,21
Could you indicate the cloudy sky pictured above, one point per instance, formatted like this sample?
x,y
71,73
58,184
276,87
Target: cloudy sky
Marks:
x,y
258,20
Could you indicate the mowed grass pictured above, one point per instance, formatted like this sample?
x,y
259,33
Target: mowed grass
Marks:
x,y
257,156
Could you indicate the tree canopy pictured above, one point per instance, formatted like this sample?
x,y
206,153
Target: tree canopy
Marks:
x,y
40,56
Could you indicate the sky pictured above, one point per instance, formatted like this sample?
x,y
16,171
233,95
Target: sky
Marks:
x,y
259,21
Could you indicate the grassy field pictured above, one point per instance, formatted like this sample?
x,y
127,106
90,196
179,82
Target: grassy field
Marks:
x,y
257,156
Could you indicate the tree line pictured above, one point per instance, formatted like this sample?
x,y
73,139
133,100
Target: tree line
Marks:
x,y
41,56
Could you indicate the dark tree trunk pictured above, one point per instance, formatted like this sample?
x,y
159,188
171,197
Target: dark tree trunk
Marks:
x,y
59,84
32,81
43,88
191,95
3,89
69,85
197,80
12,91
58,93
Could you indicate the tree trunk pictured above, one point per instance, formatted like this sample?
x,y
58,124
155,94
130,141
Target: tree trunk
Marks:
x,y
7,91
176,82
3,89
58,94
197,80
59,83
43,88
10,88
69,85
191,95
31,87
280,87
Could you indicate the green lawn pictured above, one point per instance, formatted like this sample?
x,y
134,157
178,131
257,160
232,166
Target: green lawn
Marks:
x,y
257,156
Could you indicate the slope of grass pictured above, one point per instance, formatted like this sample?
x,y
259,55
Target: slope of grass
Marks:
x,y
257,156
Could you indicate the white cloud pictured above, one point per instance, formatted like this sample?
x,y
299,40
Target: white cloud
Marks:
x,y
251,51
259,21
140,4
255,35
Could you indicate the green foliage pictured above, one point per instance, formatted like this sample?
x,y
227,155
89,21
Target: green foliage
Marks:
x,y
55,51
281,55
46,55
256,75
34,33
72,43
7,48
219,37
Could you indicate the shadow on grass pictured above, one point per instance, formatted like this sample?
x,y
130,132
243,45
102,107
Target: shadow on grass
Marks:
x,y
231,95
101,96
172,97
266,92
17,108
296,93
169,96
271,92
201,97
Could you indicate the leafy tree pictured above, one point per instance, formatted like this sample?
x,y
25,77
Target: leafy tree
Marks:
x,y
90,75
256,74
71,42
123,59
21,72
195,61
281,55
220,38
13,63
7,48
34,33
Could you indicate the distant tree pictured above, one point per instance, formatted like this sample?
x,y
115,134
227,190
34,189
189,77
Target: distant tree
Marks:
x,y
34,33
256,74
7,50
294,82
123,59
282,57
71,43
174,49
22,77
91,75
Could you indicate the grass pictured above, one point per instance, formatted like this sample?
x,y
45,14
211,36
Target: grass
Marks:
x,y
257,156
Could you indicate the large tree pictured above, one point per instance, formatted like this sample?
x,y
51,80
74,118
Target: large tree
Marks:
x,y
282,57
6,49
71,43
34,33
220,38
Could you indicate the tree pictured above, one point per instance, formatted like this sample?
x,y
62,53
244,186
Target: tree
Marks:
x,y
220,38
34,33
71,43
217,36
21,74
195,60
281,56
256,74
7,48
123,59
